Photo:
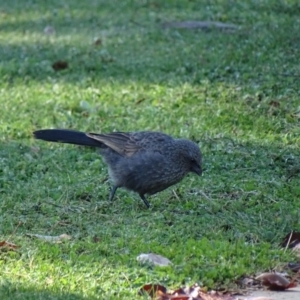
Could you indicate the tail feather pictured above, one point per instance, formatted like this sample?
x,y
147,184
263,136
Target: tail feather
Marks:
x,y
66,136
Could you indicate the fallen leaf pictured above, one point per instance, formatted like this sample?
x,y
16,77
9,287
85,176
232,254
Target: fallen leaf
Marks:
x,y
49,238
155,259
191,291
275,281
291,239
194,292
292,285
296,249
214,295
60,65
153,290
8,245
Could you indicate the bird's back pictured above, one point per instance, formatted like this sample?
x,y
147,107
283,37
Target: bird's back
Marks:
x,y
128,144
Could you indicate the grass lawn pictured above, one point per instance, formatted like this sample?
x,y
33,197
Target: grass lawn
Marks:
x,y
234,92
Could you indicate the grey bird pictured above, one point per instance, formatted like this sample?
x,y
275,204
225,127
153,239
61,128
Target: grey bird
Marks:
x,y
145,162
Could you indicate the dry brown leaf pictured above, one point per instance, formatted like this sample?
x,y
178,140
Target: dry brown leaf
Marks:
x,y
291,240
8,245
180,297
153,290
296,249
194,292
51,239
153,258
213,295
275,281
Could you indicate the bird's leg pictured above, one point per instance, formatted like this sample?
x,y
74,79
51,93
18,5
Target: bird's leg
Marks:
x,y
112,193
145,200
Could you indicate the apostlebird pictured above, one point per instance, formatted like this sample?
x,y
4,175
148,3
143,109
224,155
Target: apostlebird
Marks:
x,y
145,162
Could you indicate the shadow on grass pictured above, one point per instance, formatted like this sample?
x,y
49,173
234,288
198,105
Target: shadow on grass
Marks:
x,y
18,291
129,51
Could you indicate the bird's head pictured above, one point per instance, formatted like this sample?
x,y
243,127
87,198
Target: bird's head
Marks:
x,y
192,156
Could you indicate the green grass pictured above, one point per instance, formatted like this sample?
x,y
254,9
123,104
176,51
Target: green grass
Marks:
x,y
235,93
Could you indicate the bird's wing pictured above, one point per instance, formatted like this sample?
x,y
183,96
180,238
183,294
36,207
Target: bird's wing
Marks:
x,y
121,142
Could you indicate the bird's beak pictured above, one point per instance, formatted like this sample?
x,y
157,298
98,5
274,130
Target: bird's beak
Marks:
x,y
197,169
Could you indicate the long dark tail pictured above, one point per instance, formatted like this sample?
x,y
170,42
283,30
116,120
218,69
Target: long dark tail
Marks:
x,y
66,136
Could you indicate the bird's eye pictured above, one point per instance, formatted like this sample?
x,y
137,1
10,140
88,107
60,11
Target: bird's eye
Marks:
x,y
193,161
